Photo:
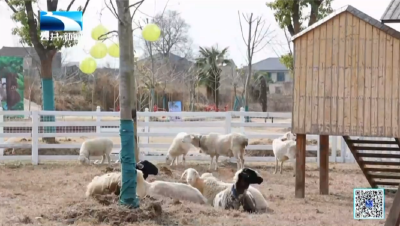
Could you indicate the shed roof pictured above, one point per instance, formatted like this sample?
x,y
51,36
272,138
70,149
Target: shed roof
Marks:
x,y
357,13
392,12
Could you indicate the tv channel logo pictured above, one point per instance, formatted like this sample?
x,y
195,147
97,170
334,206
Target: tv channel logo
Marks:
x,y
60,21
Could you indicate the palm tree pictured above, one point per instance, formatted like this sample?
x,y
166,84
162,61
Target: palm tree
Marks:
x,y
209,65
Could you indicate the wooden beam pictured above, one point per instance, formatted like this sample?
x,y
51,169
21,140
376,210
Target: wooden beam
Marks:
x,y
300,166
324,164
393,218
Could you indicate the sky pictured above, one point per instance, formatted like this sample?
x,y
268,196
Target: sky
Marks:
x,y
212,22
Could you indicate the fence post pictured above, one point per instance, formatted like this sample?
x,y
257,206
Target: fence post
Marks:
x,y
98,119
343,149
35,137
334,147
228,121
2,132
146,128
318,151
242,120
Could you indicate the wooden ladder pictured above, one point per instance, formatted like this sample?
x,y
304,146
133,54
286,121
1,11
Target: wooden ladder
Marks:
x,y
378,173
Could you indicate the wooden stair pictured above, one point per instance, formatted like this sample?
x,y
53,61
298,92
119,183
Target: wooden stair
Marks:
x,y
384,169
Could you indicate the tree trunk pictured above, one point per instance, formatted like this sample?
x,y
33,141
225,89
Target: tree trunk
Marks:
x,y
217,98
263,94
133,96
127,110
48,93
209,92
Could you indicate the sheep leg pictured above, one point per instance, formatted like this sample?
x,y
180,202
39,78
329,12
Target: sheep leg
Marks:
x,y
294,168
276,165
283,160
238,161
211,163
241,160
172,162
184,160
108,159
216,163
103,157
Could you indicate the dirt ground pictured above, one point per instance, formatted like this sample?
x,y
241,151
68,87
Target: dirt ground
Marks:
x,y
53,194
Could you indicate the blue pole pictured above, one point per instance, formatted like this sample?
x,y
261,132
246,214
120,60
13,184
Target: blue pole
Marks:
x,y
48,103
128,165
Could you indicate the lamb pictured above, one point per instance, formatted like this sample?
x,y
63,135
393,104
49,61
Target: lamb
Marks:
x,y
215,144
111,182
284,148
181,145
95,147
168,189
207,184
210,186
237,195
105,184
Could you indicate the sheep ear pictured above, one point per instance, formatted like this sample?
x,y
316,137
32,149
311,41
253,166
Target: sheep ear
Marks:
x,y
283,139
140,166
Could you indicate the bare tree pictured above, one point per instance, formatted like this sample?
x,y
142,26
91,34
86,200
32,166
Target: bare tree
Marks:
x,y
127,100
191,79
156,77
174,35
258,36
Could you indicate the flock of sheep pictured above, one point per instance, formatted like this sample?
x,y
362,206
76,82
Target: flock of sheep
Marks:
x,y
204,189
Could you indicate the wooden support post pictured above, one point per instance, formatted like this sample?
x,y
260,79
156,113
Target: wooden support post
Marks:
x,y
300,166
324,164
393,218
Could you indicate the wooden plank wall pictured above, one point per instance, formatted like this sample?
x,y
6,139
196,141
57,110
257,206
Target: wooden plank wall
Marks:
x,y
347,80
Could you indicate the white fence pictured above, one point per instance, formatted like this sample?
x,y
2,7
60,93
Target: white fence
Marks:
x,y
155,131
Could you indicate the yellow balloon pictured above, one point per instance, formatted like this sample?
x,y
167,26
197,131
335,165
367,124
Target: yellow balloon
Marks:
x,y
98,31
113,50
151,32
99,50
88,65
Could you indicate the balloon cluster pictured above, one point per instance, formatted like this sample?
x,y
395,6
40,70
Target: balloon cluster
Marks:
x,y
98,51
150,33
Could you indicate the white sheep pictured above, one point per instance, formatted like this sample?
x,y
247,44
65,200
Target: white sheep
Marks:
x,y
210,186
96,147
181,145
168,189
104,184
215,145
284,148
237,195
207,184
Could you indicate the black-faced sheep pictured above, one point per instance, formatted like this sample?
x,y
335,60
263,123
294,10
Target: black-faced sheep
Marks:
x,y
237,195
147,168
110,183
210,186
95,147
284,148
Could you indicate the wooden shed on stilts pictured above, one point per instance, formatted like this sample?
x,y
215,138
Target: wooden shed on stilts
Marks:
x,y
346,83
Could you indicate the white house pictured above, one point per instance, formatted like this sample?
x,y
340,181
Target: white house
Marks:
x,y
278,73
